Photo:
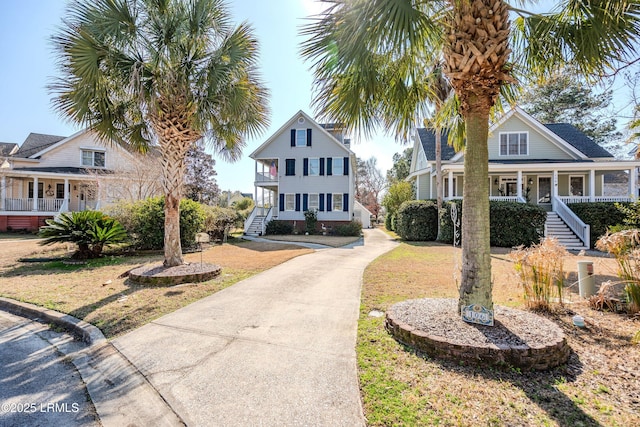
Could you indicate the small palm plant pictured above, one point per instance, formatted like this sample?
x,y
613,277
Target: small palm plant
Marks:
x,y
90,230
625,247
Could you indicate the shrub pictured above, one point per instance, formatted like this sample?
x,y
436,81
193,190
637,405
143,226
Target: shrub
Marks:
x,y
512,224
217,220
354,228
600,216
279,227
310,221
417,220
144,221
90,230
389,221
540,269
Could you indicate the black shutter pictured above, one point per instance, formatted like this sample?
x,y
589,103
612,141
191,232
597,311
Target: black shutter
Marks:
x,y
305,166
329,166
345,202
293,137
297,202
308,137
305,202
329,202
321,166
281,208
321,202
346,166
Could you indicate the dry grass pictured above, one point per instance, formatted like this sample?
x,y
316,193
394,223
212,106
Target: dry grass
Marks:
x,y
599,386
333,241
96,293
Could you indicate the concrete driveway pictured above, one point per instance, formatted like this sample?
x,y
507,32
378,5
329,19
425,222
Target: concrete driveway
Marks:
x,y
277,349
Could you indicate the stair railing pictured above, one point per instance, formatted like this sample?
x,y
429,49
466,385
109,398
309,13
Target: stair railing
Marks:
x,y
266,220
250,218
579,228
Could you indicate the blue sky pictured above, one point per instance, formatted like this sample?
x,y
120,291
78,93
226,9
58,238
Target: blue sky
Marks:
x,y
28,64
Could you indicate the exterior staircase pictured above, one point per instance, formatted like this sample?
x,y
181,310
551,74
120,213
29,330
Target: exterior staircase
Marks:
x,y
255,229
556,227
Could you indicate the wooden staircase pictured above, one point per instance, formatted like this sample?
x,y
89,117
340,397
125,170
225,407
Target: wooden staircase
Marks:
x,y
556,227
255,229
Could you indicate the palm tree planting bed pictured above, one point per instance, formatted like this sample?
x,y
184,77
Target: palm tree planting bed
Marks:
x,y
159,275
519,339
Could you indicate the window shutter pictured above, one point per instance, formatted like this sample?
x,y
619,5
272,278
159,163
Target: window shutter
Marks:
x,y
329,166
346,166
281,207
329,202
293,137
321,166
305,202
321,202
345,202
297,202
308,137
305,166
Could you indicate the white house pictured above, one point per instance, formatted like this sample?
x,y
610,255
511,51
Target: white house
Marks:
x,y
303,166
49,174
548,165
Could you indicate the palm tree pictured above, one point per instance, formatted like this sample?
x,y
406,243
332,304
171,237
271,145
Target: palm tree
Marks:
x,y
161,73
369,58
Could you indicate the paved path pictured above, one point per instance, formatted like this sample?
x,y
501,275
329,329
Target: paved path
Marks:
x,y
277,349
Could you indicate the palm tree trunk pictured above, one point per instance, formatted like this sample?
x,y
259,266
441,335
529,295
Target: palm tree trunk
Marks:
x,y
438,175
476,286
173,176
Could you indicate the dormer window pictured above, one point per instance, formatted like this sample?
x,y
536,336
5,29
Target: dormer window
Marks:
x,y
514,143
92,158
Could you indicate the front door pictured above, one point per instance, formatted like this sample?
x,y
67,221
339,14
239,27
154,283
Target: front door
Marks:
x,y
544,190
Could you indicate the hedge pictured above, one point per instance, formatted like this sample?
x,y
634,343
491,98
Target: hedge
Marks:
x,y
599,216
279,227
417,220
512,224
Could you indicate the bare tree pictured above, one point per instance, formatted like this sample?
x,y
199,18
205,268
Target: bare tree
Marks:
x,y
370,182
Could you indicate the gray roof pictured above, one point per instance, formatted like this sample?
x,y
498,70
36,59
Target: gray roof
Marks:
x,y
6,148
66,170
428,140
36,142
579,140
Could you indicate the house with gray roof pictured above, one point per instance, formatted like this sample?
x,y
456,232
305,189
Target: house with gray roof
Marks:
x,y
548,165
49,174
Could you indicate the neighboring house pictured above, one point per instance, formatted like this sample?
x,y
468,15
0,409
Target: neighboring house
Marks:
x,y
50,174
548,165
304,166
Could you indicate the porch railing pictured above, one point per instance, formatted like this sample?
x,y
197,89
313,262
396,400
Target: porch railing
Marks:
x,y
44,205
587,199
506,198
581,230
265,177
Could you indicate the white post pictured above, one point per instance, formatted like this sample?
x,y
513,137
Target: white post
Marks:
x,y
632,182
417,187
592,185
35,193
519,185
554,184
65,203
3,191
450,184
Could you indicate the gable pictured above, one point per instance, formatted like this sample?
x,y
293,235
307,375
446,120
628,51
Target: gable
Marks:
x,y
35,143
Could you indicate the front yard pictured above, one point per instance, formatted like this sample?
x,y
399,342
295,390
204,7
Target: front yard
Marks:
x,y
599,386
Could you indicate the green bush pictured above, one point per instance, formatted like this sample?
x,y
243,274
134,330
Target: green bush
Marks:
x,y
417,220
512,224
600,216
217,220
279,227
311,221
144,221
389,221
90,230
354,228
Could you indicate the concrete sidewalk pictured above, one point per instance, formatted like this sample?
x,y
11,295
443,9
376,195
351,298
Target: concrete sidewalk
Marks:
x,y
275,349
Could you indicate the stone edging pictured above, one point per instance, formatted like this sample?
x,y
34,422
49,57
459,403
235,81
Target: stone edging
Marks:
x,y
523,357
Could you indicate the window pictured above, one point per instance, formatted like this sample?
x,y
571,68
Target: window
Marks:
x,y
514,144
93,158
290,167
314,167
314,202
576,186
40,190
337,202
445,188
337,164
289,202
301,137
59,191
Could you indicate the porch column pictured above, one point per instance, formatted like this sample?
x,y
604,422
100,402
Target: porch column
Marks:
x,y
554,184
35,193
592,185
417,187
632,183
65,203
519,185
450,184
3,191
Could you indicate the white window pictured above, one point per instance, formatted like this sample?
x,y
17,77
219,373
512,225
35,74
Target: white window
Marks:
x,y
337,166
314,202
301,137
93,158
337,202
514,143
314,167
289,202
